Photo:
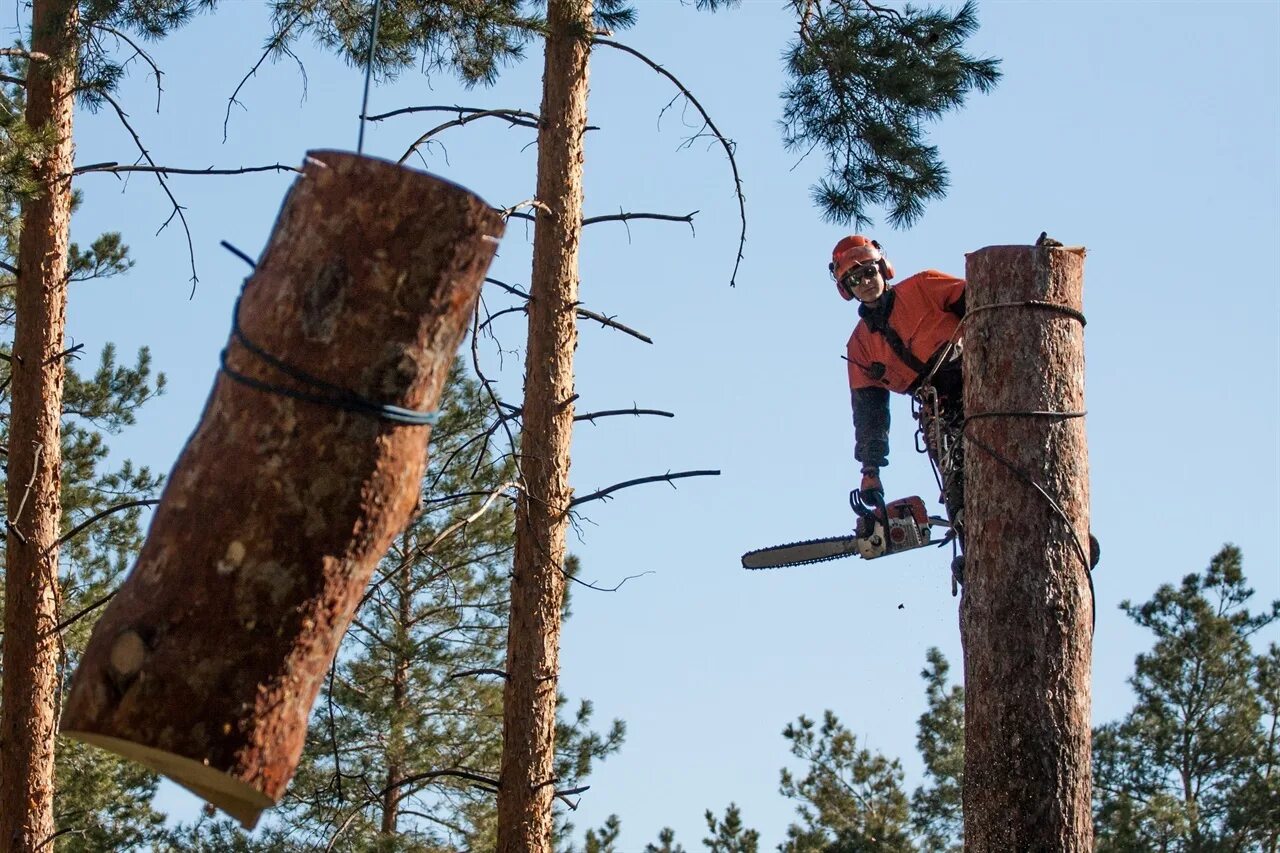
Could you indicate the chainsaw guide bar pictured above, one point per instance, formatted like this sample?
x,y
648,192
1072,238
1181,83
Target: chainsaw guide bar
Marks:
x,y
801,553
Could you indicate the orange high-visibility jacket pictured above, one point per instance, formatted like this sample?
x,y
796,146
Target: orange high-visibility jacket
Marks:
x,y
923,312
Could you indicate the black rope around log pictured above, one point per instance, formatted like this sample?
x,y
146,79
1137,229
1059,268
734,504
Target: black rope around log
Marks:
x,y
323,392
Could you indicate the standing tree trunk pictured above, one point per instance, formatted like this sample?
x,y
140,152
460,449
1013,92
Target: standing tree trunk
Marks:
x,y
1027,609
207,662
542,512
28,707
401,660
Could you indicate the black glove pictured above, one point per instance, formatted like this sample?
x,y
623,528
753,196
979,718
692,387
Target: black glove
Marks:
x,y
872,491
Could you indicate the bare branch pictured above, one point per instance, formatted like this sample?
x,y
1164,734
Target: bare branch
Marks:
x,y
276,42
533,202
582,312
725,143
137,51
7,268
627,217
613,588
12,524
603,494
25,54
484,671
115,168
70,351
177,208
420,551
84,611
591,416
487,384
494,316
17,81
79,528
515,117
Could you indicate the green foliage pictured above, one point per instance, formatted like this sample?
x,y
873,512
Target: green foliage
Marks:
x,y
604,839
666,843
864,81
1193,767
850,799
472,40
109,28
729,834
936,806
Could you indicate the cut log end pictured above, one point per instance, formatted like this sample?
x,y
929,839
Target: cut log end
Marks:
x,y
242,801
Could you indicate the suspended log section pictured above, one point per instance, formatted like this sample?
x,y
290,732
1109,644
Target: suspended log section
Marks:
x,y
304,467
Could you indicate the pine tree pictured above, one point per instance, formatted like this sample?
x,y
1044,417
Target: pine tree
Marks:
x,y
405,738
66,59
100,802
666,843
936,813
1193,766
729,834
850,799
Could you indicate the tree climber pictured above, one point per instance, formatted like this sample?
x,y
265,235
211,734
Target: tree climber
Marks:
x,y
906,342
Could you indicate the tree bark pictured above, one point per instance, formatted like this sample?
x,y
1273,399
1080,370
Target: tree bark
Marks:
x,y
542,511
1026,616
399,699
207,662
28,700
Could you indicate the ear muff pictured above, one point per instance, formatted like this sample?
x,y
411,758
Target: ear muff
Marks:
x,y
886,268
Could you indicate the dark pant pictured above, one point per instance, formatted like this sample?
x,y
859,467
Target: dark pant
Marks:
x,y
939,412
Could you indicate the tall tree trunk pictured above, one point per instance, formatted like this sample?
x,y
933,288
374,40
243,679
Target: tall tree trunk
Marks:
x,y
537,584
28,706
399,695
1027,608
207,662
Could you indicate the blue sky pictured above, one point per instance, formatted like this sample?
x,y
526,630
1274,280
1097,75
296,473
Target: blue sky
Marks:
x,y
1146,131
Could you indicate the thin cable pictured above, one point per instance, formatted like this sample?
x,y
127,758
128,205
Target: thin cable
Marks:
x,y
368,72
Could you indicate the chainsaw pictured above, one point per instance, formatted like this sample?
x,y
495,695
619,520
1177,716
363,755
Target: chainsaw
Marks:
x,y
882,529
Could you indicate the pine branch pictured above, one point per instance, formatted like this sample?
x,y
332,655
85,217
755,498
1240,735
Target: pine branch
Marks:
x,y
33,55
603,494
724,142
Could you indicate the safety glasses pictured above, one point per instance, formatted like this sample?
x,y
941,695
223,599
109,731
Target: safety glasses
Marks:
x,y
857,276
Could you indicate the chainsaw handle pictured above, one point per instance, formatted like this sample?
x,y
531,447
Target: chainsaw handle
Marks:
x,y
864,508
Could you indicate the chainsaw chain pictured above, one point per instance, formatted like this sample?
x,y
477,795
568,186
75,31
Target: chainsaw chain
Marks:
x,y
852,553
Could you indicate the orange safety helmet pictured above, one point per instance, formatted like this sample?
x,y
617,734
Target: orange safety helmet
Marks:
x,y
854,251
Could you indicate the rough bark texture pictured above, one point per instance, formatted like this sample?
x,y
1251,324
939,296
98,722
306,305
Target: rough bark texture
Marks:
x,y
537,584
1027,608
207,662
28,705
